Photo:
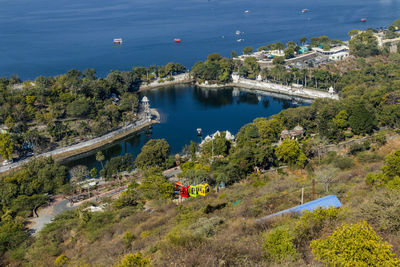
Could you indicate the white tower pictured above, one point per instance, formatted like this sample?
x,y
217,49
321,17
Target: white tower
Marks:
x,y
146,107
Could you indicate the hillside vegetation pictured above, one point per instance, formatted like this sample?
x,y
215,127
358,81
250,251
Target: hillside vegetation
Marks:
x,y
349,147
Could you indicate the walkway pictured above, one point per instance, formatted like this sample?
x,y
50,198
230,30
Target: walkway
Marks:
x,y
87,145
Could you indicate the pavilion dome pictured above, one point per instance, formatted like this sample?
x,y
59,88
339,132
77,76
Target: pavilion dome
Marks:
x,y
298,129
285,132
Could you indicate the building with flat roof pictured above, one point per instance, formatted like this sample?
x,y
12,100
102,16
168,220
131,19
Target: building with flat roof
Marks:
x,y
335,53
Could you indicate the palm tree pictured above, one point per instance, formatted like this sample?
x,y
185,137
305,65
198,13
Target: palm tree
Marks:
x,y
279,46
100,157
303,40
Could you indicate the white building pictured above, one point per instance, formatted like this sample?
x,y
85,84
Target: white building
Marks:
x,y
228,136
331,90
335,53
235,77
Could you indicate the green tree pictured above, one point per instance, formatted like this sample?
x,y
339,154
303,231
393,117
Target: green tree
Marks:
x,y
354,245
303,40
362,119
90,74
79,108
364,44
248,50
233,54
269,129
252,67
117,164
129,102
278,61
341,119
156,186
391,168
279,46
6,146
353,33
193,149
396,23
289,52
93,173
100,158
154,154
291,44
289,151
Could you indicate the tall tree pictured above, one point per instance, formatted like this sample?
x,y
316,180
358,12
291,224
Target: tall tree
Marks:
x,y
6,146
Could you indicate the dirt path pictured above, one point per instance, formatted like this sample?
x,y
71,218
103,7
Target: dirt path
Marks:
x,y
47,213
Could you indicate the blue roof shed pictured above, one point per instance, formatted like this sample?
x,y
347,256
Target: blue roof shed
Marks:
x,y
324,202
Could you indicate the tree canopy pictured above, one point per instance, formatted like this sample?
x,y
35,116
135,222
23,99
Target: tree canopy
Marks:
x,y
154,154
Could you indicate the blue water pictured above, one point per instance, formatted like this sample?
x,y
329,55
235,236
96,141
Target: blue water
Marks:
x,y
49,37
183,109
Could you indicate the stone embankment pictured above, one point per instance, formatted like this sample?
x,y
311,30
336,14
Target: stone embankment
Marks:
x,y
177,80
274,88
82,147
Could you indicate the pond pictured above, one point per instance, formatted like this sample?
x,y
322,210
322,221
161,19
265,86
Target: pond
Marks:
x,y
184,108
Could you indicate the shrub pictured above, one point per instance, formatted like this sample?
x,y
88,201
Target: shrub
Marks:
x,y
379,138
329,158
368,157
61,260
311,223
170,78
383,210
354,245
356,148
206,227
96,223
134,260
344,163
119,163
183,238
161,80
145,234
390,175
128,239
279,246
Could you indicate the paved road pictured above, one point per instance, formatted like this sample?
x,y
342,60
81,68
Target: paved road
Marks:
x,y
91,142
47,214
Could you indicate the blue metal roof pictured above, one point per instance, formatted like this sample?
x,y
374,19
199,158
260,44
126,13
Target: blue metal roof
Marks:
x,y
324,202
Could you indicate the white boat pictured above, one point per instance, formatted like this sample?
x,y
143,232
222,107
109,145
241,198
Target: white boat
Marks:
x,y
238,32
118,41
305,10
239,40
246,11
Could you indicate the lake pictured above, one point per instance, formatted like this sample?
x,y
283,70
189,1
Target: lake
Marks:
x,y
47,37
184,108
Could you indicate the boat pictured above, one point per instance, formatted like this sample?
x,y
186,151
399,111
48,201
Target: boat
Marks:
x,y
238,32
176,40
246,11
239,40
363,20
117,41
305,10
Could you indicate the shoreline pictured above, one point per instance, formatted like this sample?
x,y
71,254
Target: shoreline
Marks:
x,y
306,93
179,79
66,152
